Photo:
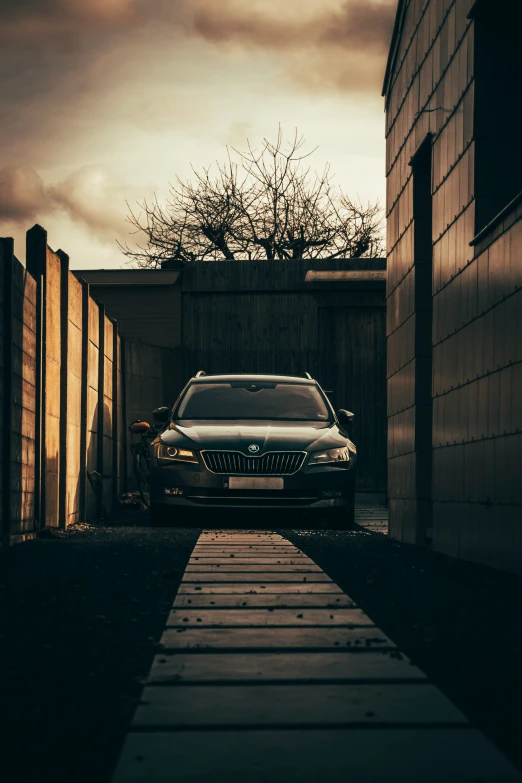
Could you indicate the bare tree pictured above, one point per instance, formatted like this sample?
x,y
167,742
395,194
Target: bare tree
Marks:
x,y
265,203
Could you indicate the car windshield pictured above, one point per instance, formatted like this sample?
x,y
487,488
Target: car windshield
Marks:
x,y
253,400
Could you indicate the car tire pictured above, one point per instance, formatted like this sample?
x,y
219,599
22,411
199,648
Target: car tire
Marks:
x,y
342,518
160,516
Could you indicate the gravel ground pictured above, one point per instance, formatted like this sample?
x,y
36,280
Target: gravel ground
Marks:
x,y
80,616
461,623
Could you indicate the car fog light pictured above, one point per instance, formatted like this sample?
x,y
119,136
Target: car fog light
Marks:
x,y
173,491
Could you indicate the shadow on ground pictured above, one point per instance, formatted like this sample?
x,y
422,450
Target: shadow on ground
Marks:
x,y
460,623
232,519
80,619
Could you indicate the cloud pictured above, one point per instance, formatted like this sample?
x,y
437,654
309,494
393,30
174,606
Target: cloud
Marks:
x,y
34,22
341,46
355,24
87,196
237,133
22,193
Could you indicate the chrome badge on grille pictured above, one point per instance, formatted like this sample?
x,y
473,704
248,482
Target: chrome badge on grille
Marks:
x,y
253,448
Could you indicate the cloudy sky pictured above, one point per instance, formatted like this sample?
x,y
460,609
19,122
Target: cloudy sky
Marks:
x,y
106,101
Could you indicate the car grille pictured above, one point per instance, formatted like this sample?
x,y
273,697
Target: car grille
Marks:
x,y
233,463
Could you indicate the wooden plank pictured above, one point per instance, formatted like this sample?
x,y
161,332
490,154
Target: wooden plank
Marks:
x,y
343,639
245,543
236,540
253,588
238,535
251,568
289,666
242,551
295,706
243,540
233,560
336,756
185,618
246,576
236,531
301,600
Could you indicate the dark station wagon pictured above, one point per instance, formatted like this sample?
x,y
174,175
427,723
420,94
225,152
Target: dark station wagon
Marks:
x,y
253,441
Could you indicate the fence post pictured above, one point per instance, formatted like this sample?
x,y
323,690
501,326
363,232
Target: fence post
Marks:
x,y
64,348
115,422
124,422
82,514
101,403
36,253
6,255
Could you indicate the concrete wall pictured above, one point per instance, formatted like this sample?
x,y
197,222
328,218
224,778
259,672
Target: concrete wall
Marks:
x,y
70,385
73,419
93,412
465,493
18,356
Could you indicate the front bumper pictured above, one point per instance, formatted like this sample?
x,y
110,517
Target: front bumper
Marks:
x,y
191,485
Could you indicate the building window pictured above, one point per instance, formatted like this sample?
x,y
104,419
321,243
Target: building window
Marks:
x,y
497,129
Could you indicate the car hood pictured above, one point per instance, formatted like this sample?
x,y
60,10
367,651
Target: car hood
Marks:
x,y
268,436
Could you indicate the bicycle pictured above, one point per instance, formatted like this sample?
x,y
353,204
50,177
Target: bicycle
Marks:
x,y
141,458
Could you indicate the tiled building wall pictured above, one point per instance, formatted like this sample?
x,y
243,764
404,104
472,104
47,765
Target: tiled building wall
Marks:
x,y
477,422
477,396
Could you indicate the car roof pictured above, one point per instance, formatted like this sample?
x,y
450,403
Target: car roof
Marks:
x,y
260,378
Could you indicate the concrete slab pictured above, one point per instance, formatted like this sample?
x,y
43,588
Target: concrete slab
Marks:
x,y
254,560
252,568
215,618
257,576
293,706
335,756
243,541
280,600
238,537
284,666
358,639
244,551
253,588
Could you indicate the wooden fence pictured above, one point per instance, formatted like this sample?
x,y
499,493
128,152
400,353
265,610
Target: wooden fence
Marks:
x,y
66,395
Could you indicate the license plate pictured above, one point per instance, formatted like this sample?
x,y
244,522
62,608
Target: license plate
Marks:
x,y
254,482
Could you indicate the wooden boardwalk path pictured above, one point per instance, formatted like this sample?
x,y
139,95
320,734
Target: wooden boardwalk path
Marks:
x,y
373,518
269,673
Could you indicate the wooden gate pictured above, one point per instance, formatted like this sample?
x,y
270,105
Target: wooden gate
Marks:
x,y
264,317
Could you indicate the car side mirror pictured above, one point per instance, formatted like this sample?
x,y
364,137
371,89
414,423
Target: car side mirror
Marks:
x,y
161,415
345,417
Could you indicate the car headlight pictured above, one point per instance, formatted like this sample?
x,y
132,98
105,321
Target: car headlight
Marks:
x,y
175,454
330,455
